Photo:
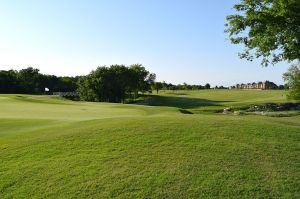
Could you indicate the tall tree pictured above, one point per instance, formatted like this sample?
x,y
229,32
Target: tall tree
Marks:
x,y
269,29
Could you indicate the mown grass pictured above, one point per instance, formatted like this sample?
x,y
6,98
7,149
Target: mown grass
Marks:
x,y
212,100
71,149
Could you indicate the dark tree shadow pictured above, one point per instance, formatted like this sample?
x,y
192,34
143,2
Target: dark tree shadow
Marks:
x,y
181,102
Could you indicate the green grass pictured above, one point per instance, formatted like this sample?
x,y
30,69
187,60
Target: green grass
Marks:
x,y
211,100
55,148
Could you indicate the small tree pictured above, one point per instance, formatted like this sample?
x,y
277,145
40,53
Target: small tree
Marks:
x,y
207,86
157,86
292,77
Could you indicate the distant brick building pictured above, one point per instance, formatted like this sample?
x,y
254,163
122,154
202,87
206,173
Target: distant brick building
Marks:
x,y
260,85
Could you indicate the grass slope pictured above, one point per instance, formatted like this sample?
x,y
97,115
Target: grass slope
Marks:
x,y
211,100
54,148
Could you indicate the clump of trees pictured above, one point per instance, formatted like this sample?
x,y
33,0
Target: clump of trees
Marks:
x,y
31,81
115,83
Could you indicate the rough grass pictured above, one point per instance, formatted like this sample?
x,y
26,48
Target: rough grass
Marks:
x,y
54,148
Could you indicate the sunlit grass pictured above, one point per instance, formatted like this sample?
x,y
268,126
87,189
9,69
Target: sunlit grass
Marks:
x,y
53,148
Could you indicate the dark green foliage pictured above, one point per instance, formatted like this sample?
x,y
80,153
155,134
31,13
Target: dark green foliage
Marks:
x,y
140,79
268,28
115,83
165,86
31,81
157,86
9,82
220,87
207,86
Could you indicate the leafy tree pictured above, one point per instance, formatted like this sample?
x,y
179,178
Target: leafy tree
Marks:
x,y
29,78
9,82
157,86
281,87
269,29
85,88
118,82
31,81
66,84
292,77
115,83
150,81
207,86
140,79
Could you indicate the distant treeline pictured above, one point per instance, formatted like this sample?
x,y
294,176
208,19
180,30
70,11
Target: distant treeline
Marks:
x,y
31,81
168,86
116,83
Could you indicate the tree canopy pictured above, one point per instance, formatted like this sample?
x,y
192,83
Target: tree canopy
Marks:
x,y
269,29
31,81
115,83
292,77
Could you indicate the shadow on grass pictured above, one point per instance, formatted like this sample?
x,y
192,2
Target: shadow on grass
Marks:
x,y
181,102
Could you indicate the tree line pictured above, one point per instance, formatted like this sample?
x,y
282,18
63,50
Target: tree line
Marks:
x,y
31,81
116,83
168,86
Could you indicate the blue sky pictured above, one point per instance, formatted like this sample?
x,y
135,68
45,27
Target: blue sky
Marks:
x,y
180,41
